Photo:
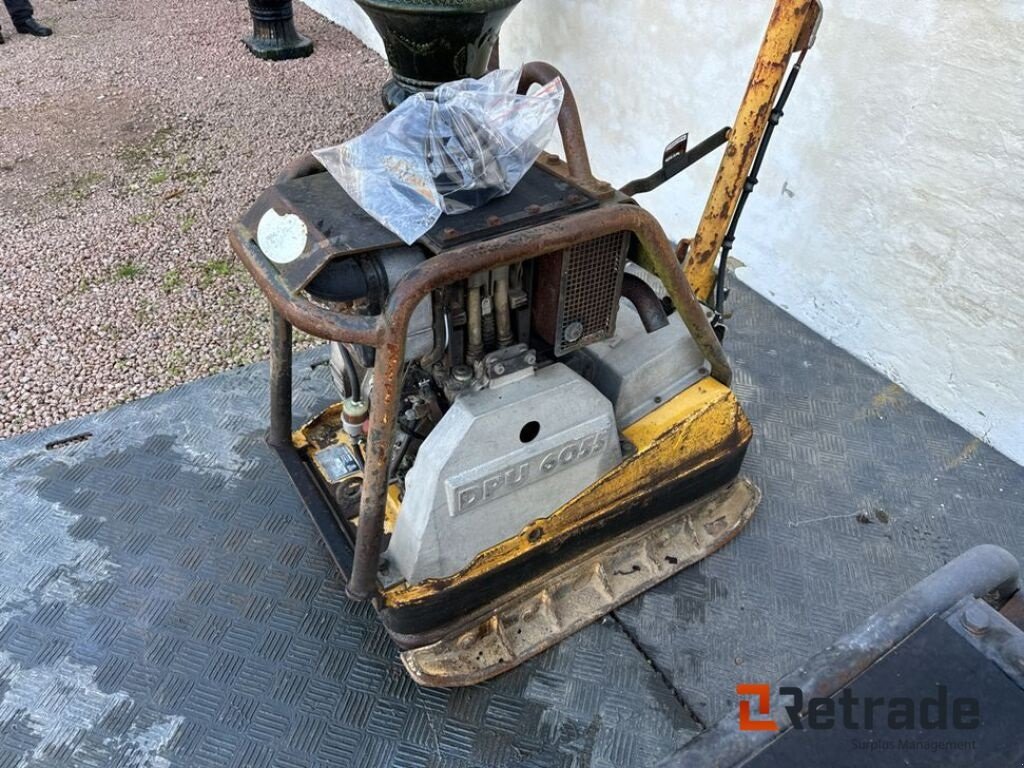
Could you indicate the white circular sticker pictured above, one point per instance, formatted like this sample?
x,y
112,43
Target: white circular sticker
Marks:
x,y
281,238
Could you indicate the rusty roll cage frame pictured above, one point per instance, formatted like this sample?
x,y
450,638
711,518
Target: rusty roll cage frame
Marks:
x,y
387,331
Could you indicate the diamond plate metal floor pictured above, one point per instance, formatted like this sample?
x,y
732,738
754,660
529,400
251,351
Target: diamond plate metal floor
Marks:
x,y
165,602
866,491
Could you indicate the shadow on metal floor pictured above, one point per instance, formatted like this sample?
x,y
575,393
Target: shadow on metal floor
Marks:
x,y
165,602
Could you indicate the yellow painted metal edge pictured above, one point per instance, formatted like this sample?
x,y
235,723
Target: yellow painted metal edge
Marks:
x,y
791,27
330,418
685,435
550,608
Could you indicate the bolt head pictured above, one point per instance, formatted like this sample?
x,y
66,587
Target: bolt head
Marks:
x,y
1015,650
976,619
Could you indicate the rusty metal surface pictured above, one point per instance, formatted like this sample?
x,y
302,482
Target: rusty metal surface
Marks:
x,y
298,311
786,31
546,611
1013,610
569,125
336,226
541,195
579,286
280,433
458,264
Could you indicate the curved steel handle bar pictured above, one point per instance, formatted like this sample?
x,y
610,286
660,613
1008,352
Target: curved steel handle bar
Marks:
x,y
461,263
569,125
300,312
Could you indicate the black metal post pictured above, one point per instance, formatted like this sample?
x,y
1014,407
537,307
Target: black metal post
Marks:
x,y
280,434
273,32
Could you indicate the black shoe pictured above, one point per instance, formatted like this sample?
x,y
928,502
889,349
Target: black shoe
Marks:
x,y
33,27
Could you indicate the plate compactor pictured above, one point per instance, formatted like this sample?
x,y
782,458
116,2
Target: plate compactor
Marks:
x,y
535,422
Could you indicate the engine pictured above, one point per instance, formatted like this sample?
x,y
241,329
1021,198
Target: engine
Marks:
x,y
518,384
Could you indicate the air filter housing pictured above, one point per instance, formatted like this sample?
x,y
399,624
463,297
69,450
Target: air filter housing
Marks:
x,y
577,292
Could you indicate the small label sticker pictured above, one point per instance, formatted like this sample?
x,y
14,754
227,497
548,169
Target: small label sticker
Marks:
x,y
281,238
337,462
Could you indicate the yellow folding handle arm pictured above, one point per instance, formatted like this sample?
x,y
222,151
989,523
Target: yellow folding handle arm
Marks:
x,y
791,30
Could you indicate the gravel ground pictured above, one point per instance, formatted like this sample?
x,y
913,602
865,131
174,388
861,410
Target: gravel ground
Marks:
x,y
129,142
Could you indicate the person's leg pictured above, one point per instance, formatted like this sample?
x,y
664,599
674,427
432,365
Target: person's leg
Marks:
x,y
21,15
20,10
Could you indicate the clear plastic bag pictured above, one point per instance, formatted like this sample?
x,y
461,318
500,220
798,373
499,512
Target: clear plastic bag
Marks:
x,y
449,150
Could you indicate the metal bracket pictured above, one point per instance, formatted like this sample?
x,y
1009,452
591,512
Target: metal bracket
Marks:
x,y
677,158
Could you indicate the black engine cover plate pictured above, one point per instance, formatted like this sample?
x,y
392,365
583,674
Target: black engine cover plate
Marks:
x,y
337,226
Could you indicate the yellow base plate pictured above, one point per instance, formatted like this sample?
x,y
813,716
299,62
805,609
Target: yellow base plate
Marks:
x,y
548,609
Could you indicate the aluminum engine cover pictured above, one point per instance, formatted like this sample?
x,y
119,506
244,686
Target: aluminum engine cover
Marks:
x,y
499,459
637,370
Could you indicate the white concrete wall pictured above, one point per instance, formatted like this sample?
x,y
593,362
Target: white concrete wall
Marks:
x,y
890,214
348,14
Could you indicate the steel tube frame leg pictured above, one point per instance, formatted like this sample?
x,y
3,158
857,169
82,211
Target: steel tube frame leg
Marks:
x,y
384,401
280,434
